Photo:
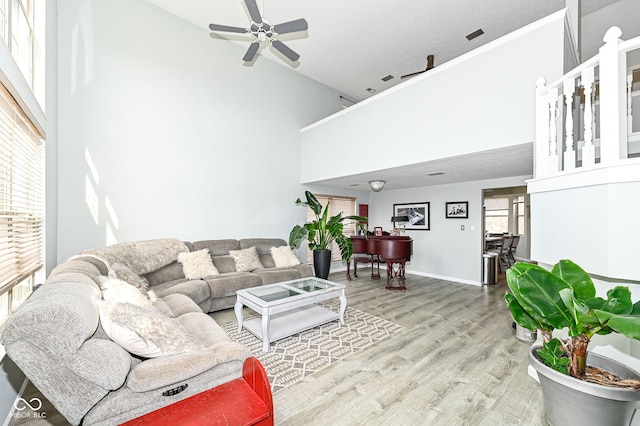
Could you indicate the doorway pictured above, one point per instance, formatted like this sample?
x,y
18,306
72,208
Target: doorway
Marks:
x,y
507,210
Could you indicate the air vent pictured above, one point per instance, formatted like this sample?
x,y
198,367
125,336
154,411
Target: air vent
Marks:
x,y
435,173
476,33
387,77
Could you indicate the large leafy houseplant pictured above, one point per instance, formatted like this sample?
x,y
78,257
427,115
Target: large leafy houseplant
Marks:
x,y
565,298
324,230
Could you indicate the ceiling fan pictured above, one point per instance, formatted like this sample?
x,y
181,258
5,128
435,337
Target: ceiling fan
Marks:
x,y
264,31
430,65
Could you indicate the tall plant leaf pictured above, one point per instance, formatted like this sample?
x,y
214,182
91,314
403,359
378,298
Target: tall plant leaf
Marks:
x,y
540,290
576,277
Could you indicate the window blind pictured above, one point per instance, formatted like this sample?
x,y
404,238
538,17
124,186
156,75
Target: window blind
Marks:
x,y
21,194
346,205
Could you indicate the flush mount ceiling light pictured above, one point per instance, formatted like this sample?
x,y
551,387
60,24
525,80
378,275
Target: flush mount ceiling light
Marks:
x,y
377,185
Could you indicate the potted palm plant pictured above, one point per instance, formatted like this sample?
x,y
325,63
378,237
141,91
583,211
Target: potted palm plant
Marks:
x,y
321,232
579,387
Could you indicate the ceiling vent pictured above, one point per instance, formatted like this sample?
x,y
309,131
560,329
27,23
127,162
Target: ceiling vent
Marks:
x,y
387,77
476,33
435,173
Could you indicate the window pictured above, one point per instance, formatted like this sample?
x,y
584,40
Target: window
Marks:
x,y
21,204
346,205
518,213
17,30
496,216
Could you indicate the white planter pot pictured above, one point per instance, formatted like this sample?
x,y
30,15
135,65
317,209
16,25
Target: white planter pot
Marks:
x,y
569,401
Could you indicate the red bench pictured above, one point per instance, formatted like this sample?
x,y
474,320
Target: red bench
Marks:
x,y
243,401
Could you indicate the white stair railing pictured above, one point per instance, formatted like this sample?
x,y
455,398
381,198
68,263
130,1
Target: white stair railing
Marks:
x,y
568,110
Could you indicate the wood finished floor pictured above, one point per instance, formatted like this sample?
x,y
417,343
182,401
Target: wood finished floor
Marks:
x,y
456,363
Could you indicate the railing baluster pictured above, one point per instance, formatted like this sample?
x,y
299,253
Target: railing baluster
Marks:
x,y
629,103
588,150
569,87
553,132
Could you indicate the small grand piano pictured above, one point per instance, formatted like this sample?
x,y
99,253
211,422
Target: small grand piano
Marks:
x,y
395,251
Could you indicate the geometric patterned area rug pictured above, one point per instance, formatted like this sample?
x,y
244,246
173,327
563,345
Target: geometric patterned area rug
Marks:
x,y
293,358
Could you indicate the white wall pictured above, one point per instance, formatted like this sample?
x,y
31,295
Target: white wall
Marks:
x,y
594,226
480,101
445,251
163,132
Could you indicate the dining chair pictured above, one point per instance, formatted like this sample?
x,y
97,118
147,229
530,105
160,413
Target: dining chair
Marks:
x,y
512,249
504,262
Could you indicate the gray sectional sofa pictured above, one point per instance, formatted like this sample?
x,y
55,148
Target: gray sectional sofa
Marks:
x,y
57,337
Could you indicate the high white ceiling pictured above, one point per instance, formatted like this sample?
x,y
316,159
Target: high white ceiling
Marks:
x,y
352,44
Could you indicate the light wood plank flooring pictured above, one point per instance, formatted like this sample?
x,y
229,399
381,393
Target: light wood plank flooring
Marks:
x,y
456,363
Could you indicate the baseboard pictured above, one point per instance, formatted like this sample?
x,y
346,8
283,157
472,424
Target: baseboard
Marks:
x,y
444,278
424,274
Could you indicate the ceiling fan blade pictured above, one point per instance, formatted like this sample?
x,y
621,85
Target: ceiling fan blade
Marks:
x,y
291,26
252,7
430,64
412,74
251,53
227,29
285,50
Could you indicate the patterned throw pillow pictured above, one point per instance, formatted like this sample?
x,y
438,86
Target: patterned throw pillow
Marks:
x,y
284,257
197,264
246,260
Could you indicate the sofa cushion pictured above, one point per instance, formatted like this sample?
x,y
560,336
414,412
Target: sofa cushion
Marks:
x,y
224,264
58,317
217,247
89,363
159,372
284,257
276,275
246,260
144,332
196,290
170,272
197,264
227,284
263,246
178,304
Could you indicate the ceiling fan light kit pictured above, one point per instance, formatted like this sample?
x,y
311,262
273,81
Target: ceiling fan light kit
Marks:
x,y
263,31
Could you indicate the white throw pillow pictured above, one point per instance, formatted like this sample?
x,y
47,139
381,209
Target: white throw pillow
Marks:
x,y
246,260
118,291
144,332
197,264
284,257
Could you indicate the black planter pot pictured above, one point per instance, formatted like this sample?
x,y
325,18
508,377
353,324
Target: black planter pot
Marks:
x,y
322,263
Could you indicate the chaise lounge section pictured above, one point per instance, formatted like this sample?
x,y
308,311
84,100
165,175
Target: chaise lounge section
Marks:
x,y
64,336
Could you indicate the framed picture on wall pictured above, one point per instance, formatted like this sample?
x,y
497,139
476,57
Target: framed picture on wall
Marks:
x,y
418,214
457,210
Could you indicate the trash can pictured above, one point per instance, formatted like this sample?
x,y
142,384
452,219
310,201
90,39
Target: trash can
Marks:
x,y
489,268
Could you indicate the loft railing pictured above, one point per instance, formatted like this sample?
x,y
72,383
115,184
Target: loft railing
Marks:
x,y
586,117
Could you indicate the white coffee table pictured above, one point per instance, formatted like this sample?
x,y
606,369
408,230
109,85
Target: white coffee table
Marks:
x,y
289,307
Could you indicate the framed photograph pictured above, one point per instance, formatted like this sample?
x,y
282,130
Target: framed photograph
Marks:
x,y
457,210
418,214
377,231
